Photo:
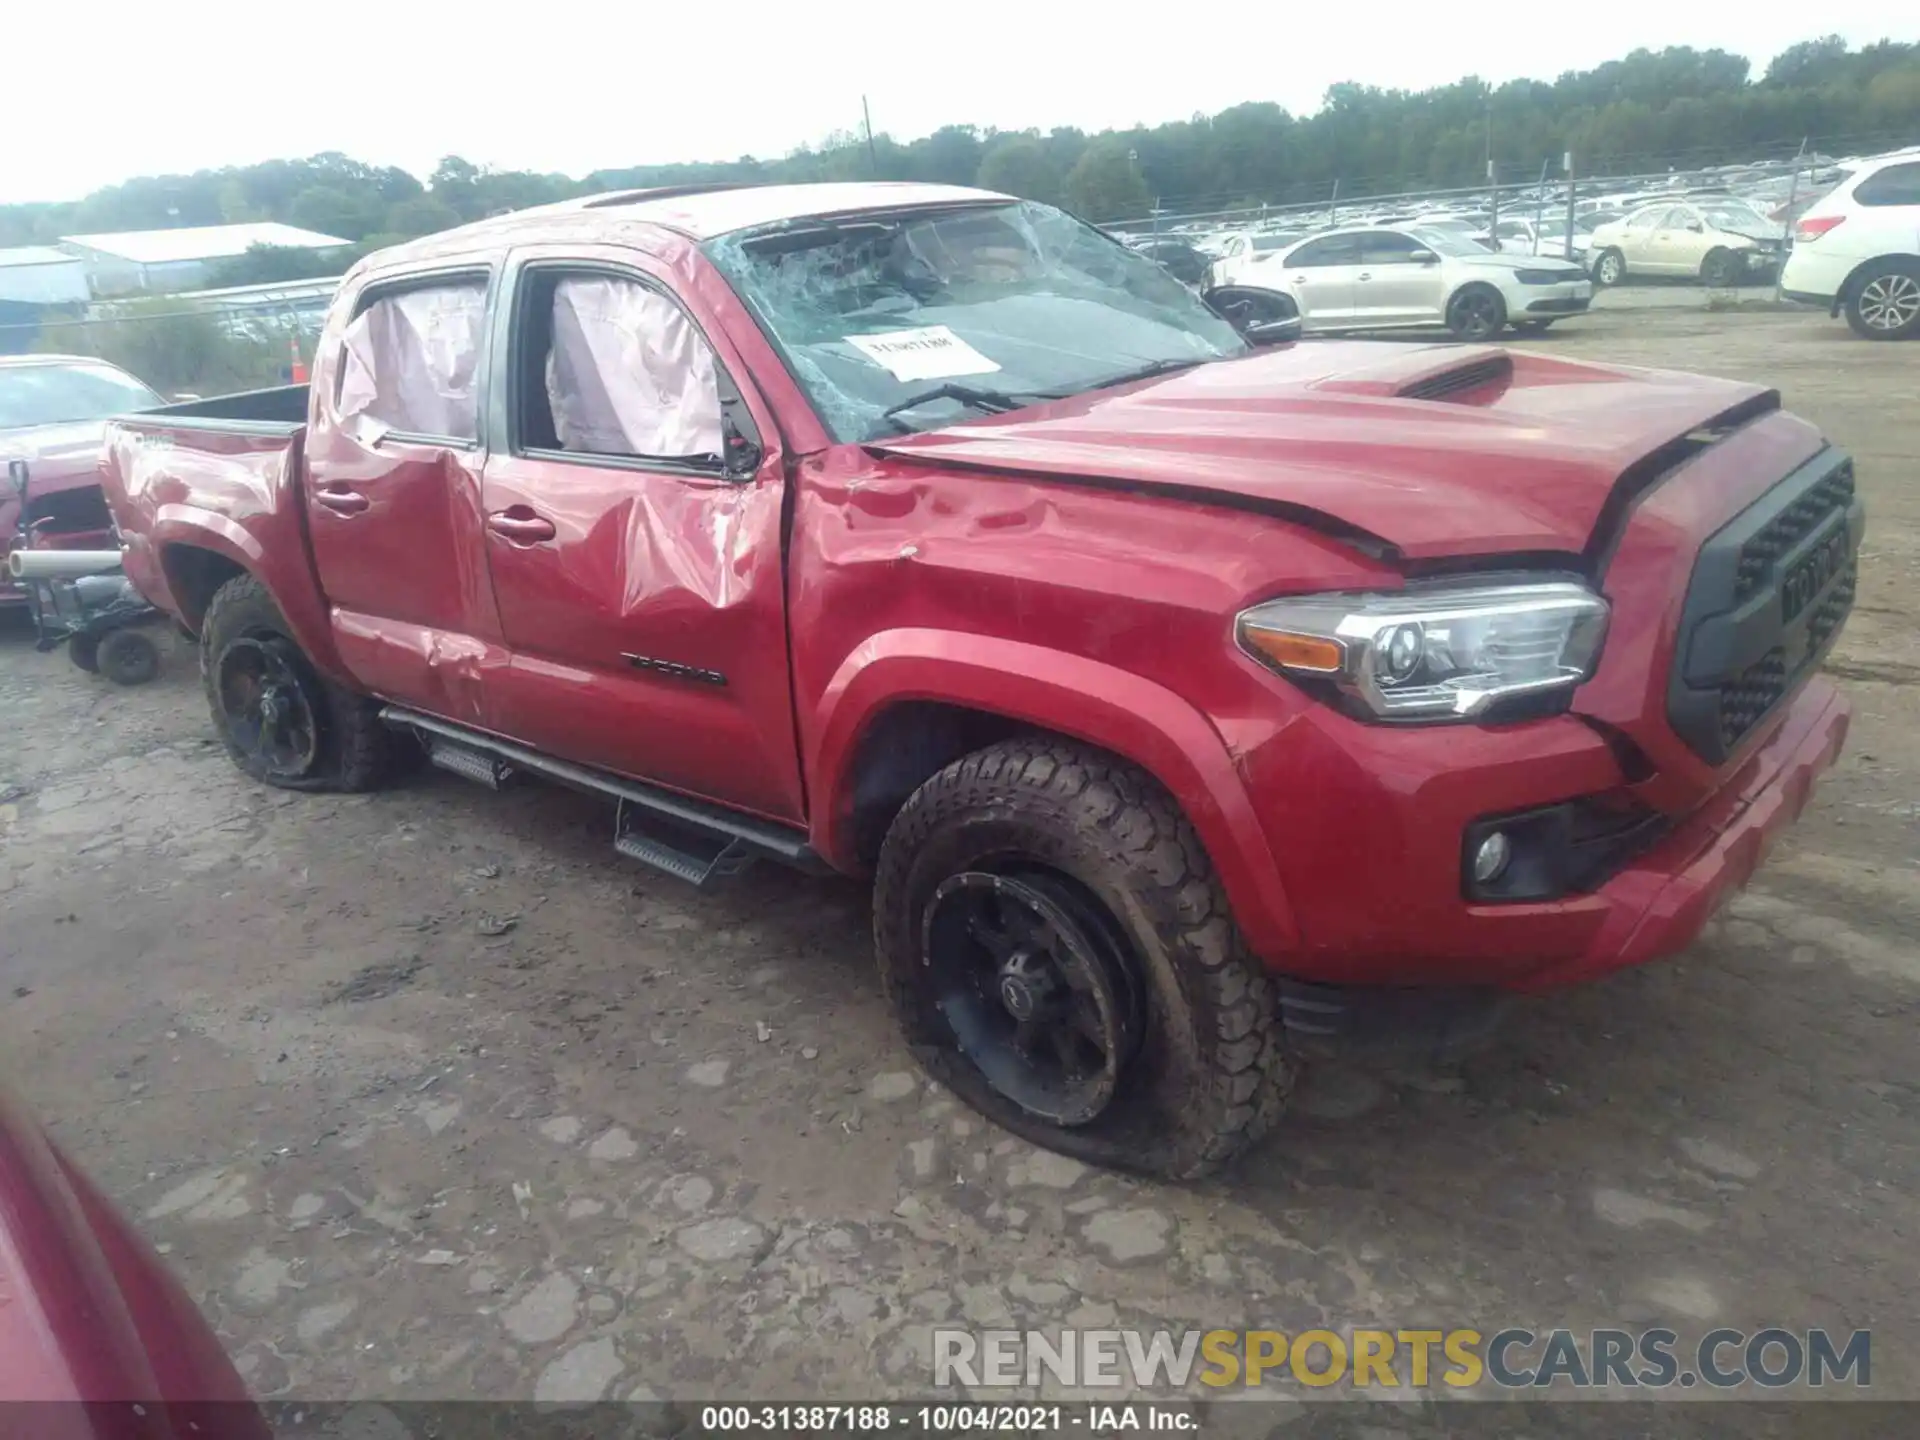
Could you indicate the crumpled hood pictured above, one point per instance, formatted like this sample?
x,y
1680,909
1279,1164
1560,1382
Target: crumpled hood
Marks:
x,y
1519,454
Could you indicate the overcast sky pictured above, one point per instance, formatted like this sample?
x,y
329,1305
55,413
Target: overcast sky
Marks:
x,y
107,89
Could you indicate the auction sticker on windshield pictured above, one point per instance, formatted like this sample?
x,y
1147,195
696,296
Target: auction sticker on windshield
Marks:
x,y
932,353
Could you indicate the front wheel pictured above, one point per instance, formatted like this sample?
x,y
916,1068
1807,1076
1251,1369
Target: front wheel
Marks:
x,y
1720,269
1060,955
1610,269
1884,303
1476,313
282,722
128,657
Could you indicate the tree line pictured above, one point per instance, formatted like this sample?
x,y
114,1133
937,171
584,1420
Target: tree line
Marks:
x,y
1653,109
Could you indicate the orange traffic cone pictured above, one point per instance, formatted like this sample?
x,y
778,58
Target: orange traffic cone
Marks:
x,y
297,372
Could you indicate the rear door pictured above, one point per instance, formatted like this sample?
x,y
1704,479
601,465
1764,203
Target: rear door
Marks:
x,y
638,573
1322,276
1391,287
393,467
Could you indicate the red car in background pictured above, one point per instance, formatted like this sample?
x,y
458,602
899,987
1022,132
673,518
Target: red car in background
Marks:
x,y
89,1314
53,413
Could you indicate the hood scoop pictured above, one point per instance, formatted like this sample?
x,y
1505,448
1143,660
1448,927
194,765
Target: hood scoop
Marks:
x,y
1450,372
1490,373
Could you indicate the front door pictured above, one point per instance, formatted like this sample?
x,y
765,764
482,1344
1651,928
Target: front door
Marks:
x,y
1393,287
638,574
1676,248
393,462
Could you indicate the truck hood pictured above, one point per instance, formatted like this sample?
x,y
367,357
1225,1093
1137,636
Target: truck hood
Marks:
x,y
1422,452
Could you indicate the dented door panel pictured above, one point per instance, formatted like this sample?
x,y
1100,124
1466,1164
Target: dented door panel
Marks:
x,y
642,604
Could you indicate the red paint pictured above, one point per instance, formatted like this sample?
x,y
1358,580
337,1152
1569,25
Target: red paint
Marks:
x,y
88,1313
1073,566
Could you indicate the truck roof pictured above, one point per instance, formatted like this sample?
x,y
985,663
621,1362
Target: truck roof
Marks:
x,y
698,212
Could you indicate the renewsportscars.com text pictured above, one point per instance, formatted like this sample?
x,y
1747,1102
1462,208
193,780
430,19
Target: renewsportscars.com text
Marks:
x,y
1375,1360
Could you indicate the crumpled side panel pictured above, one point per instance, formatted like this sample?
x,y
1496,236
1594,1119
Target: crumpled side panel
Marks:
x,y
411,362
628,374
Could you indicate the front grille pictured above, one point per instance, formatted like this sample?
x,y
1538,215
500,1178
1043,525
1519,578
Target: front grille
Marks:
x,y
1789,528
1750,695
1769,593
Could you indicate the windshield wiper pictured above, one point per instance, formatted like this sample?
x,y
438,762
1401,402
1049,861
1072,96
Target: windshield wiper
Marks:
x,y
994,402
1145,372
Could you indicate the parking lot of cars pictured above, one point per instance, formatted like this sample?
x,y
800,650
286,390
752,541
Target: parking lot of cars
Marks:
x,y
423,1094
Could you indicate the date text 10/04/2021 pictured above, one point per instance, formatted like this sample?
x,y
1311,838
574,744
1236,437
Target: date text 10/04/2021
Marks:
x,y
959,1419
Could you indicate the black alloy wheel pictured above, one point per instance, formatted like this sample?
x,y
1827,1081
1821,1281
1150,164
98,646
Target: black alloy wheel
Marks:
x,y
1036,984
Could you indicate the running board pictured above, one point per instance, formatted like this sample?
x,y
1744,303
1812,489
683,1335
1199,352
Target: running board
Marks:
x,y
699,858
466,762
672,833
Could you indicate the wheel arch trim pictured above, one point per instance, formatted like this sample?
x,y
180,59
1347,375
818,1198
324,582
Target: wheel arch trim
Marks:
x,y
1068,695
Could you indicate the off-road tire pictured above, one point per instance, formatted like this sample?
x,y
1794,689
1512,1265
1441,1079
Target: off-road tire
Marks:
x,y
1720,269
1897,280
1210,1076
129,657
84,652
354,752
1602,268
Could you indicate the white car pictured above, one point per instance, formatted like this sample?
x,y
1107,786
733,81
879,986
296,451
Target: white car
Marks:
x,y
1858,250
1245,253
1719,240
1373,278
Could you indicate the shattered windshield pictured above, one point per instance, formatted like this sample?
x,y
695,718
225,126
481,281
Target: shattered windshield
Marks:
x,y
897,323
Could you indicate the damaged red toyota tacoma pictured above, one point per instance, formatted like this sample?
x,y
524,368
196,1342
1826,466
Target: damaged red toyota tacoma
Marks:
x,y
1169,683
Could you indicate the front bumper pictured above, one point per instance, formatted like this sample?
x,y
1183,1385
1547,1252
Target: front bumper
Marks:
x,y
1658,906
1369,845
1575,304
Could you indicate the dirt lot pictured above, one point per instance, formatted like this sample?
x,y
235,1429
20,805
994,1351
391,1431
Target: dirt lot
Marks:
x,y
427,1095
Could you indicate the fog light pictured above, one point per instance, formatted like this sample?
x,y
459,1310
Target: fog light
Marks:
x,y
1490,859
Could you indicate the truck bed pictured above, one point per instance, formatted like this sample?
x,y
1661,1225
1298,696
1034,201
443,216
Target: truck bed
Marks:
x,y
279,411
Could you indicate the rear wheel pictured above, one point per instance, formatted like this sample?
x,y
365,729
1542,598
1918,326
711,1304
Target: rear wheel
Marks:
x,y
282,721
1476,313
1884,302
1060,954
1610,268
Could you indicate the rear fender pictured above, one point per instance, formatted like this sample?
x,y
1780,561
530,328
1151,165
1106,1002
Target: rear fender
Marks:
x,y
1067,694
290,584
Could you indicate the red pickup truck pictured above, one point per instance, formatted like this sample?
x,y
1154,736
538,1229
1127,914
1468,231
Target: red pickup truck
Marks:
x,y
1165,681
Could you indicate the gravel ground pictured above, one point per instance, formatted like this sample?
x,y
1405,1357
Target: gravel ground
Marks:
x,y
426,1094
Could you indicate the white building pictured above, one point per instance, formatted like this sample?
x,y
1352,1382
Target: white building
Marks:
x,y
163,261
40,275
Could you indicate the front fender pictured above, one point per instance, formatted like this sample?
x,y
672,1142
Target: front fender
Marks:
x,y
290,583
1134,718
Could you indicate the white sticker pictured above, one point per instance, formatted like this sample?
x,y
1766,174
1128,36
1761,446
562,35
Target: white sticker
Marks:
x,y
933,353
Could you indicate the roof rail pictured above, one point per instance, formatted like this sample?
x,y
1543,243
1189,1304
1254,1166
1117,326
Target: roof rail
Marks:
x,y
660,192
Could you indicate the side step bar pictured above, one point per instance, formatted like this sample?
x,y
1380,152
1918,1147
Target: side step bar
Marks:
x,y
674,834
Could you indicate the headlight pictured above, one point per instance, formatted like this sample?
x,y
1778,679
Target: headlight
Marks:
x,y
1436,653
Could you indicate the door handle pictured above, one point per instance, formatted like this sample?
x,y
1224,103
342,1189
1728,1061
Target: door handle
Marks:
x,y
520,526
342,502
1365,276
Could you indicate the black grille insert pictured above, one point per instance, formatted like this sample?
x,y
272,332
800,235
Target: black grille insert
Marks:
x,y
1799,520
1770,591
